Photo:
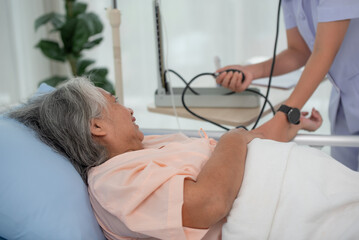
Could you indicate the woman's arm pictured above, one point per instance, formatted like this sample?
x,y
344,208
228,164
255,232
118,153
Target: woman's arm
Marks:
x,y
209,199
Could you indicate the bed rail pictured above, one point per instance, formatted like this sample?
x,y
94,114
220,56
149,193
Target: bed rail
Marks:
x,y
327,140
302,139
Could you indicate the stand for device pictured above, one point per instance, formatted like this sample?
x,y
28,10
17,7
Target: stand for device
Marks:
x,y
208,97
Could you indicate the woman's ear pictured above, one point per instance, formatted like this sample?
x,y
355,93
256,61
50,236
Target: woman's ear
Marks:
x,y
98,127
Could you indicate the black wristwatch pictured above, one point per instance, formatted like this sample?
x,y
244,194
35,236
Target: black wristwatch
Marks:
x,y
293,114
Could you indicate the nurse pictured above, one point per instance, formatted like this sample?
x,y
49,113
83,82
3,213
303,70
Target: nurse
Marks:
x,y
323,35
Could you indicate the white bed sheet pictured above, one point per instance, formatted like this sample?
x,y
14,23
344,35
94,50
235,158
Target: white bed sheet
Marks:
x,y
294,192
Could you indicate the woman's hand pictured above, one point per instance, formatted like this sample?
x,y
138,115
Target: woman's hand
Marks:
x,y
234,80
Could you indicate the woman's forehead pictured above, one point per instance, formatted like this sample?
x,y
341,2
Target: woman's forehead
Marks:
x,y
105,93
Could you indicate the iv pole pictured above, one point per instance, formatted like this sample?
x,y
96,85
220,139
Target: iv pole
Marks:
x,y
114,16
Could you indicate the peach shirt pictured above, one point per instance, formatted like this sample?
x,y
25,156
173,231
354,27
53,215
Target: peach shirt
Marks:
x,y
139,194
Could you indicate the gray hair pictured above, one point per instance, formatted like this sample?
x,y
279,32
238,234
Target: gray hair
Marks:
x,y
62,120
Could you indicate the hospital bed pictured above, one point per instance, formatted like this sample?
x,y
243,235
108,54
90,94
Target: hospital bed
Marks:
x,y
43,196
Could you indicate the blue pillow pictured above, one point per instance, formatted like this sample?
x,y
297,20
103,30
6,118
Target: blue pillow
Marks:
x,y
41,194
44,88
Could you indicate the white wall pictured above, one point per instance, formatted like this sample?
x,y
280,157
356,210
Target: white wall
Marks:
x,y
196,32
21,65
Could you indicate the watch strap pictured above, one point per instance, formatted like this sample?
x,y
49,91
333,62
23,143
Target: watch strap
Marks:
x,y
284,108
289,112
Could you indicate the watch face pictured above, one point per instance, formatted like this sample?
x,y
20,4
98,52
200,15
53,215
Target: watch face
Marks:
x,y
294,115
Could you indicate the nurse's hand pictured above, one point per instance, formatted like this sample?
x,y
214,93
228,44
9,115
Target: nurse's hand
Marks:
x,y
234,80
311,123
278,128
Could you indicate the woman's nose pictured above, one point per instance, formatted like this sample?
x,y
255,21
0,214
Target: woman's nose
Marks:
x,y
131,110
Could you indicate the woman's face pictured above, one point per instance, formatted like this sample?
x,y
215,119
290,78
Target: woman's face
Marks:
x,y
123,132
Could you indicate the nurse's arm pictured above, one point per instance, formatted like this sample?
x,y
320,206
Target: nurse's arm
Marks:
x,y
330,35
329,38
290,59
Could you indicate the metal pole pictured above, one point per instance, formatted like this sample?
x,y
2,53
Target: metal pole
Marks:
x,y
114,16
327,140
302,139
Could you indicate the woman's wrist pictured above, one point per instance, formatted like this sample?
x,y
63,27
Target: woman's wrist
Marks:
x,y
289,128
286,130
233,139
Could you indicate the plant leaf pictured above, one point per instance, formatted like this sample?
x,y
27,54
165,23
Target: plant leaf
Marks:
x,y
57,21
93,43
80,36
54,80
97,72
82,65
67,31
68,8
55,18
78,8
43,20
52,50
93,22
87,25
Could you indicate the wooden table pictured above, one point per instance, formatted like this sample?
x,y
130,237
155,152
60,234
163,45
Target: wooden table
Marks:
x,y
230,116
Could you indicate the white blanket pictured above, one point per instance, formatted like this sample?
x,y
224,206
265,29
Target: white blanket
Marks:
x,y
294,192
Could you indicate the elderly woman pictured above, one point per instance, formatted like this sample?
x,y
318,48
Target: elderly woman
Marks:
x,y
167,187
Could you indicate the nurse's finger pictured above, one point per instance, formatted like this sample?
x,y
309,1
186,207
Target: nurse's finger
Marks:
x,y
226,80
242,85
220,78
234,81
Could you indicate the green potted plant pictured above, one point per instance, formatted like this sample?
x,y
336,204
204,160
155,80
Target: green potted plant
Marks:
x,y
79,30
